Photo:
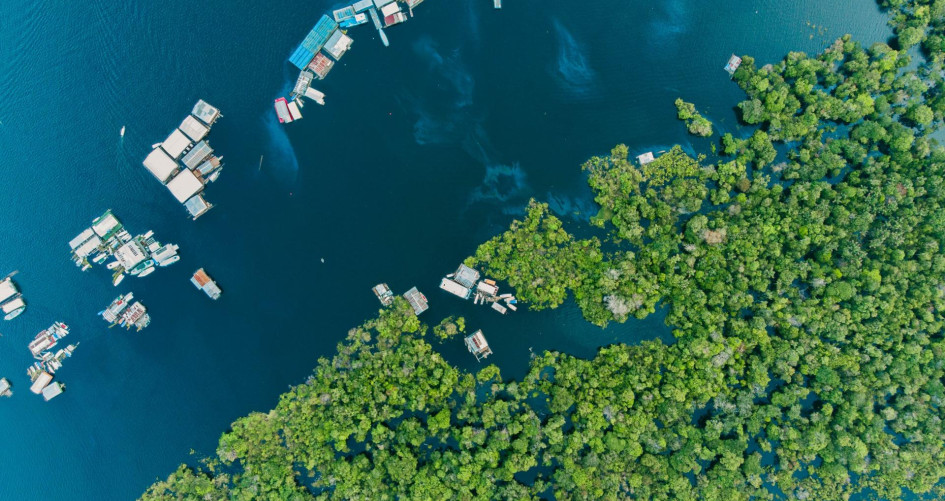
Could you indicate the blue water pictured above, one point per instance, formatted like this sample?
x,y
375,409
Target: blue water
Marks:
x,y
424,149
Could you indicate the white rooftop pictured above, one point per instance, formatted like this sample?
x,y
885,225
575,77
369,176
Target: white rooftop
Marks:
x,y
454,288
7,289
390,9
175,144
81,238
52,391
161,165
184,185
88,247
130,254
41,381
105,225
195,129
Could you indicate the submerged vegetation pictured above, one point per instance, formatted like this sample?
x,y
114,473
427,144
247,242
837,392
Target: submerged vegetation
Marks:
x,y
806,298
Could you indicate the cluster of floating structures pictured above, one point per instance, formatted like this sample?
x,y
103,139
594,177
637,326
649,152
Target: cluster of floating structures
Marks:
x,y
126,314
465,283
328,41
48,362
107,237
414,297
185,163
202,281
11,301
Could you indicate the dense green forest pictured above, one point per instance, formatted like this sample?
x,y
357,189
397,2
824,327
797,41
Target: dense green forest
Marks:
x,y
805,292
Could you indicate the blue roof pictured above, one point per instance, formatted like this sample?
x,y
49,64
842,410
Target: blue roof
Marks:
x,y
301,57
319,34
313,42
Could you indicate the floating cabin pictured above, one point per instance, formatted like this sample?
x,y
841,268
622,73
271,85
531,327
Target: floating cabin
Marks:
x,y
321,65
466,276
645,158
392,14
338,44
184,162
313,42
733,63
52,391
384,294
487,289
417,300
40,382
477,345
5,386
301,85
203,282
455,289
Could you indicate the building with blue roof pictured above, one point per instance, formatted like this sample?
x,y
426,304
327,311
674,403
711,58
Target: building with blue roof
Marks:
x,y
313,42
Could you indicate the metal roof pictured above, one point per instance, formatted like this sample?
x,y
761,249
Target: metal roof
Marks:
x,y
161,165
184,185
175,144
81,238
466,276
104,225
197,154
130,254
204,111
301,57
294,110
52,391
338,44
41,381
7,289
363,5
195,129
197,206
88,247
454,288
381,3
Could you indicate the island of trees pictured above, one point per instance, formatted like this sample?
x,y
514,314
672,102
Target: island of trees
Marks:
x,y
806,298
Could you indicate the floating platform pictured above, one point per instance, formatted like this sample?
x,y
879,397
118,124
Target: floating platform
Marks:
x,y
645,158
477,345
5,387
203,282
313,42
282,111
53,390
733,63
455,289
384,294
417,300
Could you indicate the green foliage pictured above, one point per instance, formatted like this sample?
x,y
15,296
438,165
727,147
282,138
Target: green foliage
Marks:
x,y
807,315
449,327
695,123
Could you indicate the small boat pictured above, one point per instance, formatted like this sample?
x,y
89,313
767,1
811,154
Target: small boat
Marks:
x,y
122,133
213,177
99,258
112,265
149,234
169,261
511,306
143,265
118,279
155,145
147,271
86,266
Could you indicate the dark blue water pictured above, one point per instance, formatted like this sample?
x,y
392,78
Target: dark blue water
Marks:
x,y
425,149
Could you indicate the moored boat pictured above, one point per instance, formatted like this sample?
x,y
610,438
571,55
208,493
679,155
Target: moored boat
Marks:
x,y
118,278
140,267
112,265
169,261
14,308
146,272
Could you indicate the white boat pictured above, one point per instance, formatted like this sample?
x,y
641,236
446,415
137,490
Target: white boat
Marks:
x,y
147,271
13,308
118,279
213,177
113,265
169,261
122,133
155,145
149,234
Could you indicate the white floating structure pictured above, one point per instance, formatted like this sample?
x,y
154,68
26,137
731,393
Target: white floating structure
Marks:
x,y
477,345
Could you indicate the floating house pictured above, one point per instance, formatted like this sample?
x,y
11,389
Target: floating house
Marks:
x,y
315,95
487,289
42,379
392,14
203,282
417,300
321,65
53,390
455,288
11,302
338,43
5,387
477,345
384,294
733,63
184,162
645,158
282,111
302,84
466,276
313,42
